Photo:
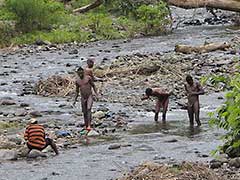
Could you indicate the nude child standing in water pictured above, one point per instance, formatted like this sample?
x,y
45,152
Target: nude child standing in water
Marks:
x,y
84,85
193,89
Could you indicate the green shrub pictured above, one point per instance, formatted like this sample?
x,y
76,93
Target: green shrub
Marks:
x,y
55,36
6,33
154,17
102,26
227,116
129,27
35,14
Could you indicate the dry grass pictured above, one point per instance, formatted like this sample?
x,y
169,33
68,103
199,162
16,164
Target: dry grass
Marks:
x,y
56,86
185,171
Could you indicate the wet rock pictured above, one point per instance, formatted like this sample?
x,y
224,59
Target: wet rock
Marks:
x,y
114,146
74,51
55,174
171,141
214,164
16,140
145,148
93,133
62,133
35,114
7,102
193,22
36,154
99,115
8,154
21,113
7,144
22,152
232,152
40,42
98,122
235,162
223,158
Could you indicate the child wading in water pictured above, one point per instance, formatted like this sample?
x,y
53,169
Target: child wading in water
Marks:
x,y
193,90
84,85
162,100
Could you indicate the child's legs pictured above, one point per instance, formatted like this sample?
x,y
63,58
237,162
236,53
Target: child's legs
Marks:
x,y
165,108
190,114
89,110
196,109
85,111
157,110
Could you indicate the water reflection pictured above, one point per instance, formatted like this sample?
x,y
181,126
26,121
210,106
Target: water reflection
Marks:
x,y
177,128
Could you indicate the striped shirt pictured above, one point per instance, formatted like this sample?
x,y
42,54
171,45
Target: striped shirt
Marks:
x,y
35,136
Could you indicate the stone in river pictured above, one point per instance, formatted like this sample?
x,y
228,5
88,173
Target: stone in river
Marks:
x,y
8,154
7,102
35,154
114,146
235,162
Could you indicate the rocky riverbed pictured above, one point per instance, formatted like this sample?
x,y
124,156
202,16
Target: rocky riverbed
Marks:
x,y
124,134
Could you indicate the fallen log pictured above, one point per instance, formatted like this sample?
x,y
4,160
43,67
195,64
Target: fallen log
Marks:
x,y
88,7
202,49
230,5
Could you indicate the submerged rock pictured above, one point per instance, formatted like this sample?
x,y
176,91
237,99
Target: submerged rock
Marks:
x,y
93,133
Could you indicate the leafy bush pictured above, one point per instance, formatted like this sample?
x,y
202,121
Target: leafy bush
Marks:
x,y
35,14
6,33
55,36
227,116
154,17
129,27
102,26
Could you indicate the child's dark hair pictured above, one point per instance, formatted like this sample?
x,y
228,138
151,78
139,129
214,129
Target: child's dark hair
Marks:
x,y
148,91
79,69
80,72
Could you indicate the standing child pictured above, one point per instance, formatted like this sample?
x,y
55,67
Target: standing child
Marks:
x,y
193,89
84,85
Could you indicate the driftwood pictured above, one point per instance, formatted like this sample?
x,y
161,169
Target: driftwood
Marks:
x,y
201,49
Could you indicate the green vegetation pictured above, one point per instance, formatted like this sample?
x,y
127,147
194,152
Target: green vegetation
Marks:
x,y
227,116
25,21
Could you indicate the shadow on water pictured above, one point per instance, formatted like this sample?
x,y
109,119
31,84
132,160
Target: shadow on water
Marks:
x,y
176,128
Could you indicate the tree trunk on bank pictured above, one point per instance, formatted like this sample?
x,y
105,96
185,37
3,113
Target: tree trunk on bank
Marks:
x,y
88,7
230,5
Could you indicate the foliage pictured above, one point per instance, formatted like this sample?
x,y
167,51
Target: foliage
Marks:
x,y
153,17
227,116
49,20
6,32
55,36
35,14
